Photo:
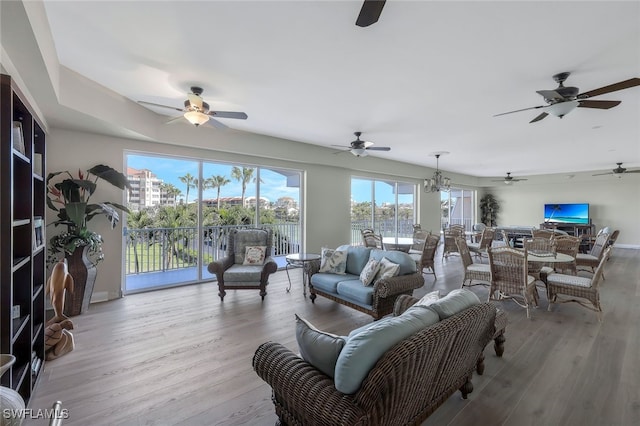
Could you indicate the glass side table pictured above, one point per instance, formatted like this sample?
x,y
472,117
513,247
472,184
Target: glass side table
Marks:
x,y
300,260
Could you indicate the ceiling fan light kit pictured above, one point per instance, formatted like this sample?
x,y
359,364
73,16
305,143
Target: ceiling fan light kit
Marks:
x,y
438,182
196,117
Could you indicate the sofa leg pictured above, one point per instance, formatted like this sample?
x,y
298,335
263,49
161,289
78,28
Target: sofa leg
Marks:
x,y
498,344
313,296
480,365
467,388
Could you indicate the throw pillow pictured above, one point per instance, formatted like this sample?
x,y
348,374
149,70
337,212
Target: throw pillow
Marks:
x,y
388,269
454,302
318,348
428,299
254,255
333,261
369,272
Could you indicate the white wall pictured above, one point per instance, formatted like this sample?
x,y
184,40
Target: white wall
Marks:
x,y
612,202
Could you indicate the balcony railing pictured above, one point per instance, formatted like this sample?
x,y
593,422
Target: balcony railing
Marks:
x,y
166,249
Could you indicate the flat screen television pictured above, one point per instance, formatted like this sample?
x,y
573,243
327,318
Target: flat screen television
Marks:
x,y
576,213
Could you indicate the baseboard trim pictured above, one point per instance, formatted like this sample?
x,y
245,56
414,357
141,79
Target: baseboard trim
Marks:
x,y
627,246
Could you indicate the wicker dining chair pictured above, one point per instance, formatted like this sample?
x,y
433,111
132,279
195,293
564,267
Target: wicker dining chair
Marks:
x,y
486,240
569,245
510,277
542,233
425,259
419,240
472,271
592,259
449,237
574,286
371,239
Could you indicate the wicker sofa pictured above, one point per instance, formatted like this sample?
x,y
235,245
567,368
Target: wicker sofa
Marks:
x,y
347,289
407,383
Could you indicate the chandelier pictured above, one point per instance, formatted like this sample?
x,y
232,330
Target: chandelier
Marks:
x,y
438,182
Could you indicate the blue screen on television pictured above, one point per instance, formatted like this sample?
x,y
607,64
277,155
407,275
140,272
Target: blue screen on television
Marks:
x,y
567,213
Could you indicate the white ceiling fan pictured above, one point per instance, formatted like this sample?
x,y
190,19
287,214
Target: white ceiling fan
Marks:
x,y
359,147
508,179
618,171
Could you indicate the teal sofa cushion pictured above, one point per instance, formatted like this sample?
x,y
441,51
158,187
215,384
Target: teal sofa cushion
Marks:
x,y
318,348
357,258
407,264
363,350
329,282
456,301
354,290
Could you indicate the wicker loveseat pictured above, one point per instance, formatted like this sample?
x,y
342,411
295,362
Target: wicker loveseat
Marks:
x,y
377,299
407,383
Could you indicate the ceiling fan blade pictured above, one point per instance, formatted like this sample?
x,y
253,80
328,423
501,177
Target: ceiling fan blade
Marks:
x,y
218,125
538,118
370,12
519,110
632,82
174,119
550,94
162,106
598,104
632,171
342,146
228,114
602,174
378,148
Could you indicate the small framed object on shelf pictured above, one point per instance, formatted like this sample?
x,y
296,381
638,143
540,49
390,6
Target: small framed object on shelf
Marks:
x,y
18,137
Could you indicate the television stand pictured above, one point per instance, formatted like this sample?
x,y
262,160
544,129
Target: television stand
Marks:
x,y
570,228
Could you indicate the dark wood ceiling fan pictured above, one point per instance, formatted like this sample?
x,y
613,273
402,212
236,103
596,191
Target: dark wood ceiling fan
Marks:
x,y
370,12
563,100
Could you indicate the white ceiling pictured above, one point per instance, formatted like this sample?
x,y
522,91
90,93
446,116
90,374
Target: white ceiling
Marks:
x,y
429,76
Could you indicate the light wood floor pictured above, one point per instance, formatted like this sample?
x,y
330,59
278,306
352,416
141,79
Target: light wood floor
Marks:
x,y
180,356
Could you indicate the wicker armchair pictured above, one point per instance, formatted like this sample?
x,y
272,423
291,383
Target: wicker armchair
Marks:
x,y
486,239
569,245
371,239
510,277
425,258
592,259
472,271
408,383
542,233
230,271
450,235
540,270
580,287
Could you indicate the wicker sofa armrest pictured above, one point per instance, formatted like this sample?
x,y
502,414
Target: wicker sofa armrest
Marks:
x,y
403,303
398,284
302,391
220,265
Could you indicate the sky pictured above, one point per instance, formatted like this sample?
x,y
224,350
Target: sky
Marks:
x,y
273,184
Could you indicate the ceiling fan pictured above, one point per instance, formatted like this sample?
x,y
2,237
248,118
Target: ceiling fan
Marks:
x,y
563,100
370,12
359,147
508,179
618,171
197,112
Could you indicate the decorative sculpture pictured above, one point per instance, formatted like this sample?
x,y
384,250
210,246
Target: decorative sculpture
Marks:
x,y
58,339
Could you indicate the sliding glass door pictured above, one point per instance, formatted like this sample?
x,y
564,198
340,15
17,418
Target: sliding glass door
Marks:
x,y
458,208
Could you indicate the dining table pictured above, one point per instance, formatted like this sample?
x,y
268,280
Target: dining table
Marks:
x,y
397,243
546,257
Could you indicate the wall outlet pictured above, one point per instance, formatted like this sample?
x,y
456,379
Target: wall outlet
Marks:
x,y
15,312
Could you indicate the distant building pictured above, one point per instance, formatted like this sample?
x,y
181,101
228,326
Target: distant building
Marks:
x,y
236,201
146,190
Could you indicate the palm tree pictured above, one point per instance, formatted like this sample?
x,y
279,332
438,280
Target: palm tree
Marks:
x,y
137,220
170,190
217,182
172,218
244,176
191,182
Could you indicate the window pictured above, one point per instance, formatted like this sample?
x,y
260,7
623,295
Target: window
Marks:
x,y
458,207
180,223
386,206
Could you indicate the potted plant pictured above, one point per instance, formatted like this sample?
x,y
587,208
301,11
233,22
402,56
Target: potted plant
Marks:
x,y
489,209
81,246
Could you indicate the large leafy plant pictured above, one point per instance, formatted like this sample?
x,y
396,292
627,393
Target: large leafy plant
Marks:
x,y
70,197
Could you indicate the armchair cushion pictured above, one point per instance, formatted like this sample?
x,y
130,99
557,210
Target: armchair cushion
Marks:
x,y
254,255
247,237
333,261
363,350
317,347
243,273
